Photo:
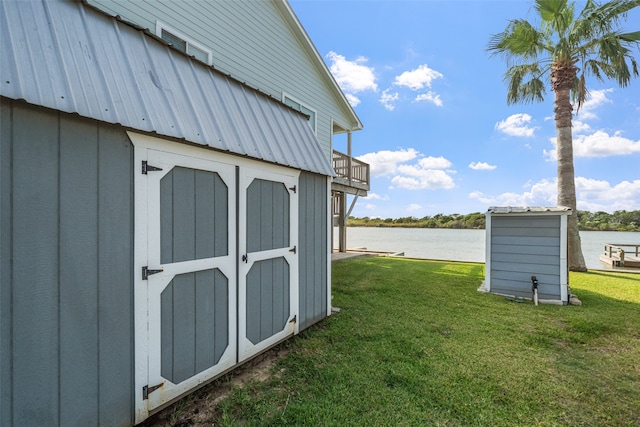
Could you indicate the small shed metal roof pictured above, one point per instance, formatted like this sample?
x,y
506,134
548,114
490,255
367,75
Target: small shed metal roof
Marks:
x,y
528,209
69,57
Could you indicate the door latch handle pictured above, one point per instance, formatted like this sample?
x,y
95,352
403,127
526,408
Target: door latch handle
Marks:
x,y
244,258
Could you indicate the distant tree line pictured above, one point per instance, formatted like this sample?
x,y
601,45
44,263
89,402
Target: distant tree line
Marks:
x,y
587,221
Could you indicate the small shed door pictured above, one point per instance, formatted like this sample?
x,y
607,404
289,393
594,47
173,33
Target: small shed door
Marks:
x,y
268,268
191,273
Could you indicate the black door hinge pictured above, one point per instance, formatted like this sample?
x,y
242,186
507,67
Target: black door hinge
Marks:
x,y
146,390
295,319
146,272
148,168
293,249
293,188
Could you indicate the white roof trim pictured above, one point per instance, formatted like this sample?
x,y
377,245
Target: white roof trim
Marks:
x,y
493,210
311,48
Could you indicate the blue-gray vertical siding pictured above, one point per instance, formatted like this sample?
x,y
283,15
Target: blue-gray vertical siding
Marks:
x,y
193,215
525,246
66,228
268,281
313,250
267,215
66,245
268,304
195,313
194,223
6,380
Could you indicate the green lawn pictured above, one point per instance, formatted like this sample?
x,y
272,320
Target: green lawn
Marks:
x,y
415,344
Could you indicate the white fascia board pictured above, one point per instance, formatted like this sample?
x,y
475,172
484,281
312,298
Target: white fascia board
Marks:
x,y
487,255
290,15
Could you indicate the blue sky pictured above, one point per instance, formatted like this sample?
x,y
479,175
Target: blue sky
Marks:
x,y
438,133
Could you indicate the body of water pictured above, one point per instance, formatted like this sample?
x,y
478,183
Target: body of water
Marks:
x,y
463,245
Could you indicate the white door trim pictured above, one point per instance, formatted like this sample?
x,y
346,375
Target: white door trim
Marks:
x,y
143,253
290,178
147,293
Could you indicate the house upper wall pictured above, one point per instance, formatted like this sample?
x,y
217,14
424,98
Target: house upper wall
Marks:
x,y
251,41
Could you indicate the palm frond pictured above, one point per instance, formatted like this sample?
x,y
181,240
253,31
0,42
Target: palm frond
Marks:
x,y
612,51
528,92
600,19
549,9
555,14
630,37
525,84
593,67
634,66
563,44
519,39
579,92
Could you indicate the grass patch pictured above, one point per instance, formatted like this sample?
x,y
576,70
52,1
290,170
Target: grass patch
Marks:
x,y
416,344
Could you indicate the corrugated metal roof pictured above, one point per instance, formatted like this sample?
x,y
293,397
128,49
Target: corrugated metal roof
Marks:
x,y
528,209
68,57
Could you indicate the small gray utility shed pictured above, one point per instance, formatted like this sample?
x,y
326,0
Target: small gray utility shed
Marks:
x,y
527,242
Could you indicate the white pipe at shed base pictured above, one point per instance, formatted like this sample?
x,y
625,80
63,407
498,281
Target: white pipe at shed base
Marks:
x,y
535,296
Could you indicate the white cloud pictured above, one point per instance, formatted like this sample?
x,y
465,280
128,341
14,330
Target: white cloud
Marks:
x,y
592,195
352,99
370,207
479,195
601,144
375,196
417,178
430,97
414,207
543,193
352,76
598,144
516,125
427,179
577,127
386,162
481,166
425,173
598,195
434,163
418,78
595,100
388,99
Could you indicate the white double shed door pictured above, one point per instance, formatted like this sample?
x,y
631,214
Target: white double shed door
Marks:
x,y
216,264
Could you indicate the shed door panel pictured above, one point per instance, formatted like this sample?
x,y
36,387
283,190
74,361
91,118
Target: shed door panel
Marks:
x,y
267,298
192,304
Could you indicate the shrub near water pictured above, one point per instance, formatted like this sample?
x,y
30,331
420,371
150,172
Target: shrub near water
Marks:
x,y
416,344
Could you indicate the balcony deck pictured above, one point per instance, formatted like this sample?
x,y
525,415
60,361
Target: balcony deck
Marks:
x,y
352,175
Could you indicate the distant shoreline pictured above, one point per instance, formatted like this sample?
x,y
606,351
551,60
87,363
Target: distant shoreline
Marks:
x,y
409,225
587,221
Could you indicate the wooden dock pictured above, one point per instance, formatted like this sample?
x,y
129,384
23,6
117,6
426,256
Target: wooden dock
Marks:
x,y
621,255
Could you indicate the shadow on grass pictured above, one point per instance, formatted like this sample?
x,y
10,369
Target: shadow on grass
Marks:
x,y
617,275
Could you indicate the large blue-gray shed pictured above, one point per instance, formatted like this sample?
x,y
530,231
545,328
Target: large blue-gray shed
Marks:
x,y
526,245
160,222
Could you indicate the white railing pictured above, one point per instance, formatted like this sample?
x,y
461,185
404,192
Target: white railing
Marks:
x,y
350,171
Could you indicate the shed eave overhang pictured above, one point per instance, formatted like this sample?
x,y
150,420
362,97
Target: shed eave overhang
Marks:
x,y
80,60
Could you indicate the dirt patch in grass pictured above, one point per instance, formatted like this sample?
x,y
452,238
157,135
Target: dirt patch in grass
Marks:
x,y
200,408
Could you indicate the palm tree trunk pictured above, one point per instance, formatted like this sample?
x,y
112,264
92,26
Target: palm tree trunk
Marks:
x,y
566,182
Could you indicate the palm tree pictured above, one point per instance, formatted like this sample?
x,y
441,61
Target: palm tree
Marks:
x,y
561,51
